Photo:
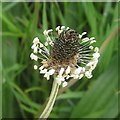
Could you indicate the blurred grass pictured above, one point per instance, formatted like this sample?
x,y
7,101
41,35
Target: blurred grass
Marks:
x,y
25,90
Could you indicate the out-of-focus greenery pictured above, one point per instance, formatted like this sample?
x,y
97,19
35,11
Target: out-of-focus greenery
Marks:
x,y
25,90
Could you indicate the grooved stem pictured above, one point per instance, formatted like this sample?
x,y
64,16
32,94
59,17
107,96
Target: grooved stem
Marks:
x,y
46,112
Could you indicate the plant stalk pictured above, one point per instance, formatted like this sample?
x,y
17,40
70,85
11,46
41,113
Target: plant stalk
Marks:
x,y
46,112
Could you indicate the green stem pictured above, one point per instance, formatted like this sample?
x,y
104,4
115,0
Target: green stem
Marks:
x,y
46,112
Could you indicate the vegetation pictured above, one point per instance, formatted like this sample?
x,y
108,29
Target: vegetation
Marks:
x,y
25,90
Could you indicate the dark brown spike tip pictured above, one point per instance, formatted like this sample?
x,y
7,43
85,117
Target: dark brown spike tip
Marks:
x,y
69,35
65,48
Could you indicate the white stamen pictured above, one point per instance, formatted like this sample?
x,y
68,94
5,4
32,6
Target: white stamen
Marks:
x,y
83,69
51,43
41,45
51,72
36,40
62,27
85,39
61,71
96,55
34,57
59,31
45,32
67,28
91,47
33,46
67,70
90,63
80,36
35,67
48,39
59,79
75,76
40,68
78,70
81,75
50,30
92,38
35,50
96,49
93,41
64,84
47,75
88,74
40,51
68,76
84,33
46,43
57,28
43,71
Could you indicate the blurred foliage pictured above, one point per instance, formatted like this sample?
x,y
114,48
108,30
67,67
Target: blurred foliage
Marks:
x,y
25,90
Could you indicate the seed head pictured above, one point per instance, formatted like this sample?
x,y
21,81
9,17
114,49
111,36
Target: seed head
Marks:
x,y
71,55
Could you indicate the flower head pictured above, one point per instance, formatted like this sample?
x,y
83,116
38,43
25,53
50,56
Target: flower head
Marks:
x,y
71,55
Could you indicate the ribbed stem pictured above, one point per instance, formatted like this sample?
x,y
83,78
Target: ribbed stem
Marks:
x,y
46,112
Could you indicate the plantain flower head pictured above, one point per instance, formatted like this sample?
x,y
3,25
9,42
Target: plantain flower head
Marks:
x,y
65,54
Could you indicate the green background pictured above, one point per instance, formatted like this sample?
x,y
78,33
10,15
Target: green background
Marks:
x,y
24,90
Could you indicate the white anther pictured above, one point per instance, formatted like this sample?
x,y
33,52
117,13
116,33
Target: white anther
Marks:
x,y
35,50
64,84
43,71
46,43
92,38
85,39
80,36
91,47
84,33
51,72
40,68
36,40
78,70
88,74
96,49
34,57
62,27
57,28
81,75
93,41
67,70
96,55
41,45
61,71
35,67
